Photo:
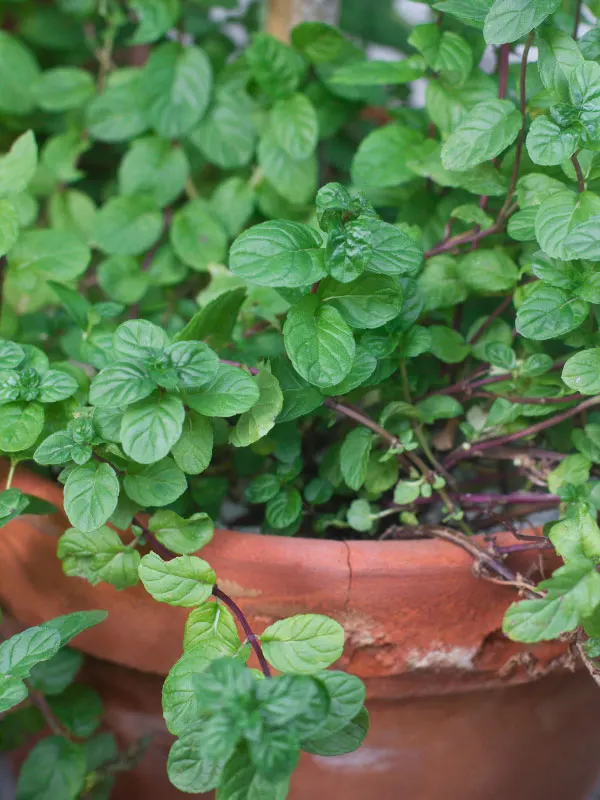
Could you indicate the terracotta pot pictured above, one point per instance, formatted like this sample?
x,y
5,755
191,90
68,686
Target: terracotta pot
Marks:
x,y
458,711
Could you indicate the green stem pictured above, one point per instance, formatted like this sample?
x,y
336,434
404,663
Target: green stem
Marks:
x,y
11,473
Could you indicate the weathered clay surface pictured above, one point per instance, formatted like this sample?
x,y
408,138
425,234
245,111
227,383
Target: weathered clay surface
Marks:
x,y
411,609
422,631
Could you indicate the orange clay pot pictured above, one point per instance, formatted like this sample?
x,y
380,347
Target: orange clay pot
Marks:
x,y
458,712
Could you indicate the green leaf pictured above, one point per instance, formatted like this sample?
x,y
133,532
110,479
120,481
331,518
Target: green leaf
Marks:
x,y
581,372
156,484
18,166
139,338
368,302
71,625
275,754
278,253
194,362
363,366
283,509
90,495
583,88
483,134
276,67
211,626
558,215
240,781
20,426
487,271
53,254
258,421
548,313
318,341
76,306
359,515
379,73
509,20
447,344
127,226
183,581
346,696
262,488
12,692
149,429
193,450
121,384
54,768
56,385
574,469
382,157
346,740
582,242
20,653
354,457
152,166
188,768
441,284
19,73
53,676
63,88
55,449
215,321
471,12
226,137
182,536
176,85
406,492
295,179
572,593
12,503
445,52
79,708
198,238
233,391
548,143
299,397
155,18
577,536
98,555
294,125
121,278
439,406
232,202
558,54
303,644
9,225
119,112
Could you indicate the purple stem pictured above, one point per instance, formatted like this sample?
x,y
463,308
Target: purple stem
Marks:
x,y
512,497
503,70
480,447
218,593
167,555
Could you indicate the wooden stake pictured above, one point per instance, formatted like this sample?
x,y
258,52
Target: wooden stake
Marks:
x,y
282,15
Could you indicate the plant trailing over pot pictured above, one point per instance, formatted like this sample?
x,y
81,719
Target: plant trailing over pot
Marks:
x,y
354,371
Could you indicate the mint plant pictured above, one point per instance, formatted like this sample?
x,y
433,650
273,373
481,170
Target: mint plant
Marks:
x,y
256,287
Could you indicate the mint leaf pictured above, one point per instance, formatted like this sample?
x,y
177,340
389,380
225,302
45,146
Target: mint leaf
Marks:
x,y
278,253
183,581
149,429
509,20
488,129
258,421
303,644
318,341
183,536
176,84
90,495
